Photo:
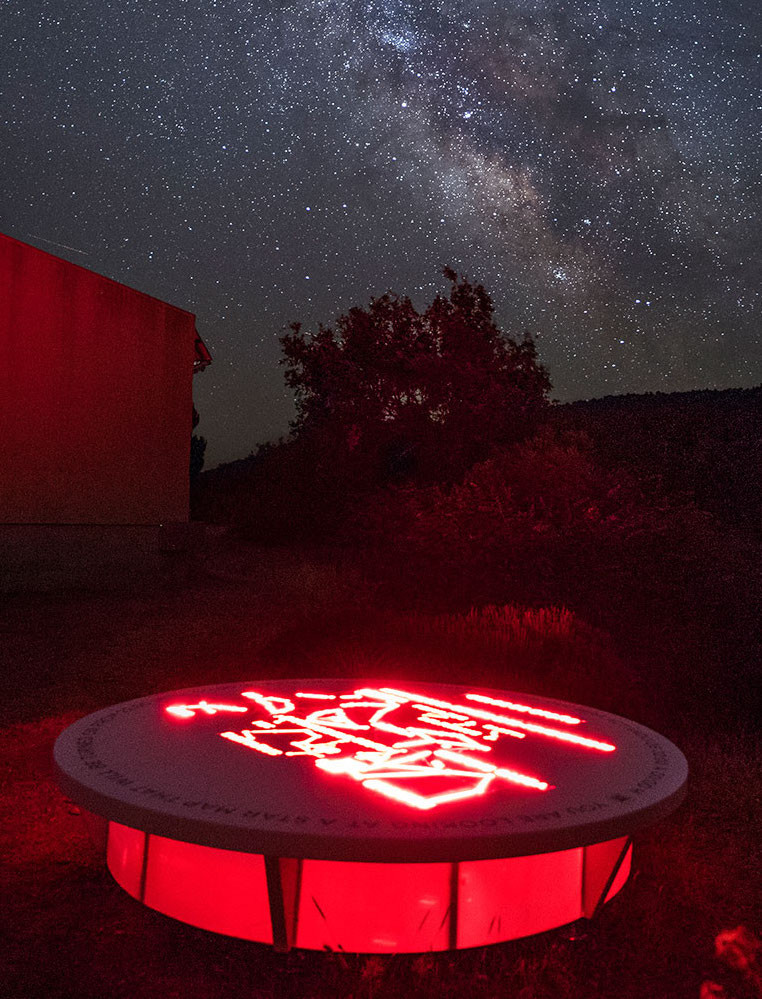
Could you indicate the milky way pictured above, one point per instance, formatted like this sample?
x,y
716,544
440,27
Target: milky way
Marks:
x,y
596,165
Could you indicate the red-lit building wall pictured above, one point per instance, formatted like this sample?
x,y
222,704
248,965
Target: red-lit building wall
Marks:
x,y
95,396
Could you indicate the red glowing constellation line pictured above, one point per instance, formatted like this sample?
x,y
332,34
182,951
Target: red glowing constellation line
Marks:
x,y
420,751
523,708
189,710
552,733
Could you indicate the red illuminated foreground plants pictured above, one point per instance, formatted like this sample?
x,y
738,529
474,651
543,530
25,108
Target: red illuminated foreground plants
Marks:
x,y
368,817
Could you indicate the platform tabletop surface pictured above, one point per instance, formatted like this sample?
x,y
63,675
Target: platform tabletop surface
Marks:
x,y
369,770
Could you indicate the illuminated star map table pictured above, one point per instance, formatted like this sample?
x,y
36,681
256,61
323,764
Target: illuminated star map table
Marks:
x,y
368,816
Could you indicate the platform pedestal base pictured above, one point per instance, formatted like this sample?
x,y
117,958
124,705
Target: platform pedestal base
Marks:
x,y
365,907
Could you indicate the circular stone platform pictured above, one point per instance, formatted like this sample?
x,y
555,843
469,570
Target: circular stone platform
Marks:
x,y
366,815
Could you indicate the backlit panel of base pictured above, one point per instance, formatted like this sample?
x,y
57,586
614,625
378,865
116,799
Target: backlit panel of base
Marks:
x,y
363,907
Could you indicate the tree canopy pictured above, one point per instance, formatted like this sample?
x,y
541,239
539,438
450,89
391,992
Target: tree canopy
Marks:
x,y
427,392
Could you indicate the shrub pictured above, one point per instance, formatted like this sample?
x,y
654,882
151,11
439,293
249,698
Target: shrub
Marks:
x,y
543,522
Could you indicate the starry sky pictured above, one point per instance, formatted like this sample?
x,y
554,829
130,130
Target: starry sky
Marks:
x,y
596,165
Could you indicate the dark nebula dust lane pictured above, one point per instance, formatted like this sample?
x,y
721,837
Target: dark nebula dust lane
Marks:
x,y
596,165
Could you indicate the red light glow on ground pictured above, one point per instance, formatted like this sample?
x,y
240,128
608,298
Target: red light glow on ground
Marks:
x,y
417,750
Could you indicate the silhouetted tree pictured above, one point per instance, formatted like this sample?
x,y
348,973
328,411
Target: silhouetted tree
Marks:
x,y
426,394
197,449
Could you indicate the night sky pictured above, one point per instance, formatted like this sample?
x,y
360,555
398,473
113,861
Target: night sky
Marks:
x,y
595,165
